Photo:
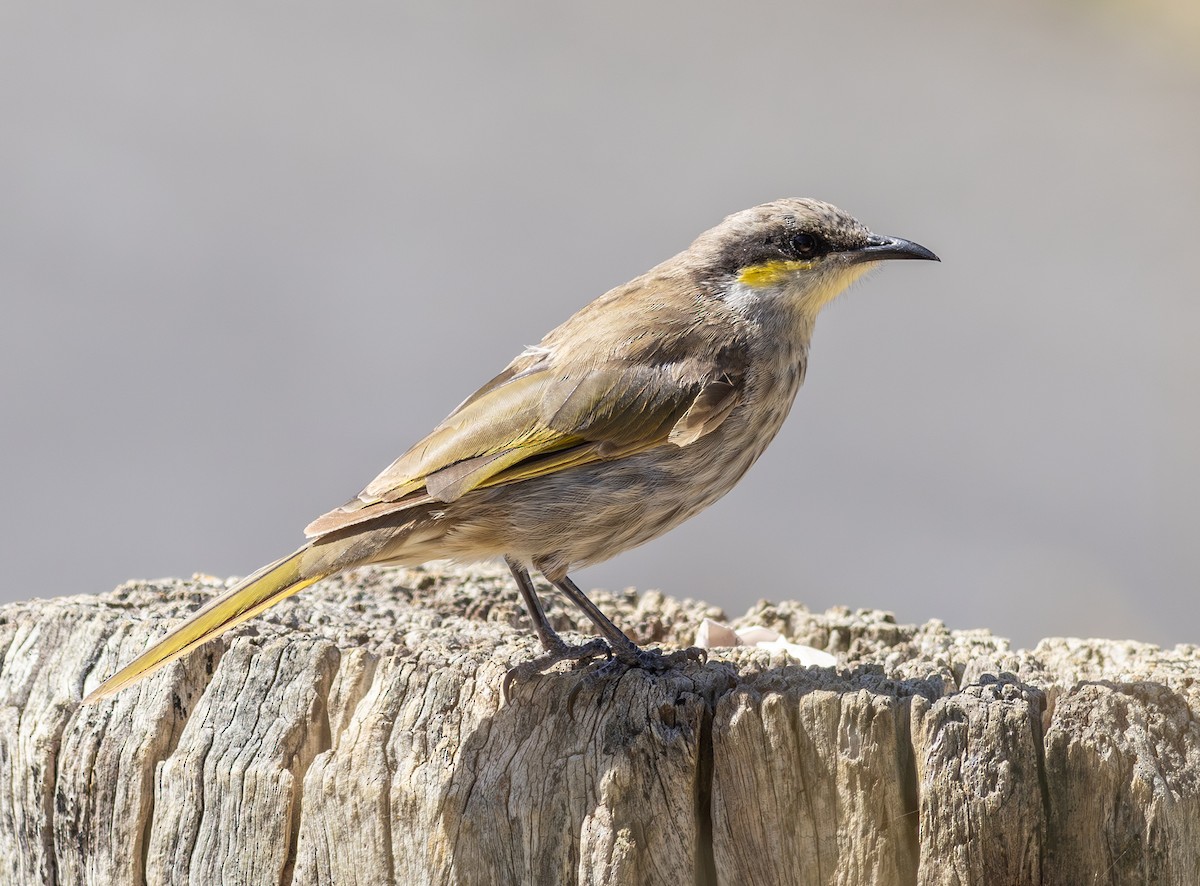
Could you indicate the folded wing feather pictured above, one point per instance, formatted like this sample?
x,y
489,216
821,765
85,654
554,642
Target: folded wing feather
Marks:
x,y
539,421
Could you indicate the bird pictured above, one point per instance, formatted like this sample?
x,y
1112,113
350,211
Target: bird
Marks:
x,y
642,409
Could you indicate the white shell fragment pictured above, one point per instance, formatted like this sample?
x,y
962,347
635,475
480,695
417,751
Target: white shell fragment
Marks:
x,y
712,635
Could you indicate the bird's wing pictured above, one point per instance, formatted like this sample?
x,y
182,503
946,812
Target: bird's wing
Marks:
x,y
541,420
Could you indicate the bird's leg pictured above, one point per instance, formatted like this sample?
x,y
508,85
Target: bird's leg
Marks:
x,y
624,650
541,624
614,635
556,649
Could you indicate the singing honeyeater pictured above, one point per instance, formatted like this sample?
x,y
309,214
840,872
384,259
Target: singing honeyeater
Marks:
x,y
642,409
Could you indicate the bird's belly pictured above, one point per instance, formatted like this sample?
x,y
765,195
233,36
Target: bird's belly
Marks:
x,y
586,515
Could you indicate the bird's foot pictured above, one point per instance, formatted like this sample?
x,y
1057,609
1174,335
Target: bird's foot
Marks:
x,y
654,660
581,655
627,658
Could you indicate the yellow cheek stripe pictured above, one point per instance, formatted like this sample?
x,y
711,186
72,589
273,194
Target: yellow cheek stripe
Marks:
x,y
771,273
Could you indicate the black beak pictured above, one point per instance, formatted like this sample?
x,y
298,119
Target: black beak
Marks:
x,y
880,248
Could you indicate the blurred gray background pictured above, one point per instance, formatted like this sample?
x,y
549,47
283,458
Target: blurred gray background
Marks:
x,y
249,253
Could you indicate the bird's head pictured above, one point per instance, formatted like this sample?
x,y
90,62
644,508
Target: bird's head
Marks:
x,y
798,252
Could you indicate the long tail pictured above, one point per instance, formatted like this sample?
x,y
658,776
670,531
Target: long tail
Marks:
x,y
244,600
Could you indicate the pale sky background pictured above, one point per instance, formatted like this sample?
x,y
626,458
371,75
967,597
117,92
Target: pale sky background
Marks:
x,y
250,252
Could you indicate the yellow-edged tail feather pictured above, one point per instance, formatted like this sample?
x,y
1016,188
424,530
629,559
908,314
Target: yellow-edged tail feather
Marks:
x,y
243,601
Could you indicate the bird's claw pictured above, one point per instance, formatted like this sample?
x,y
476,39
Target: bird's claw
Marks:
x,y
655,660
625,659
581,655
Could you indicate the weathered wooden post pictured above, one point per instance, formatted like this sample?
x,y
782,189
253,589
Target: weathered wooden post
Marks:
x,y
357,735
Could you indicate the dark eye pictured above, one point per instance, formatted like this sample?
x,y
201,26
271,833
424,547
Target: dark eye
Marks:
x,y
805,245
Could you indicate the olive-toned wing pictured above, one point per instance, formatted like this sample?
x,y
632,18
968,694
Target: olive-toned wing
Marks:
x,y
541,421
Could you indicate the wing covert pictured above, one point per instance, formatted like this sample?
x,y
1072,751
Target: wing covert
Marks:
x,y
541,420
